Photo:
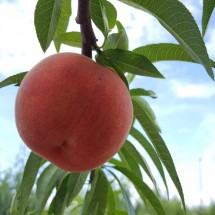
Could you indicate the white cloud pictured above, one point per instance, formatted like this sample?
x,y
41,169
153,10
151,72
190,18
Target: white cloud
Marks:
x,y
193,7
192,90
142,27
19,48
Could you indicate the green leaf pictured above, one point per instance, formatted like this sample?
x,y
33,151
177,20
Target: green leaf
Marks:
x,y
129,205
149,127
116,41
130,77
45,185
142,92
75,184
166,52
99,16
96,198
151,152
177,19
144,104
63,22
129,162
74,209
111,204
121,212
208,7
120,26
129,148
132,62
116,162
14,79
46,18
33,164
60,197
103,60
70,38
111,13
144,189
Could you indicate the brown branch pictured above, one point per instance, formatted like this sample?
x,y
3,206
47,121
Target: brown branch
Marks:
x,y
87,34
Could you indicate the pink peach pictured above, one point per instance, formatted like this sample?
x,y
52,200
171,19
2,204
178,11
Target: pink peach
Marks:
x,y
73,112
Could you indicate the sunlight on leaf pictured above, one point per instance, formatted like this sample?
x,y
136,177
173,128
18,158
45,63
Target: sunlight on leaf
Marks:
x,y
46,18
132,62
70,38
63,22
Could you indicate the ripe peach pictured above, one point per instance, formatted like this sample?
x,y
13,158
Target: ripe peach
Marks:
x,y
73,112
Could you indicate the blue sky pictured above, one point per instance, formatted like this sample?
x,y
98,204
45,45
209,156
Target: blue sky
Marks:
x,y
184,107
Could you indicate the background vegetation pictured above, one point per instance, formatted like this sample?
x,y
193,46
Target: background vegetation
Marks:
x,y
10,178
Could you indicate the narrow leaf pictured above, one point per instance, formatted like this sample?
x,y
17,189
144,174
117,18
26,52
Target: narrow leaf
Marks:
x,y
130,162
99,16
103,60
121,212
142,92
144,104
116,162
148,125
129,205
116,41
144,189
96,198
166,52
129,148
208,7
177,19
111,13
14,79
151,152
70,38
33,164
60,197
63,22
46,18
132,62
111,202
130,77
45,185
75,184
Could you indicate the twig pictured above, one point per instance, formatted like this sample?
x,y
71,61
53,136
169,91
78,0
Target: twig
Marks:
x,y
84,19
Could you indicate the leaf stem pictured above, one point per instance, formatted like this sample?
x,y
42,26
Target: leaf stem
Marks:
x,y
84,19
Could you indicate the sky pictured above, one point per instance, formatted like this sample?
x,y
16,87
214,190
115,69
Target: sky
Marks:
x,y
184,107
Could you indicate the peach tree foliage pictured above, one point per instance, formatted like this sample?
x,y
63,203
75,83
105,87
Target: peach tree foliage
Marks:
x,y
57,189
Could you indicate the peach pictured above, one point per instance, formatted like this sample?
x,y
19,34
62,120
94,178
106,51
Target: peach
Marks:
x,y
73,112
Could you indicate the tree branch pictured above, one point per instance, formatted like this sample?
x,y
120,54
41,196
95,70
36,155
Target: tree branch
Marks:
x,y
84,19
